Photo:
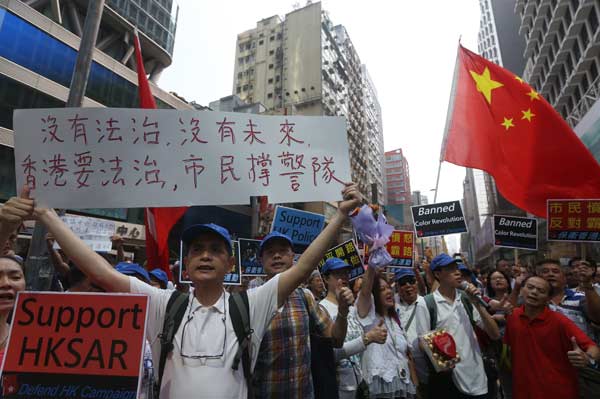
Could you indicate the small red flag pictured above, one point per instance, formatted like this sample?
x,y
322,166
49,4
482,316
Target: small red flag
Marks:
x,y
499,124
158,221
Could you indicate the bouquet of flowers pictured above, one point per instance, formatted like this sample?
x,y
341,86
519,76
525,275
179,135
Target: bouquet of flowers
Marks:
x,y
372,228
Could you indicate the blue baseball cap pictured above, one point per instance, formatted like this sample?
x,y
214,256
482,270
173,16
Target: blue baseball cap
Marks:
x,y
132,269
399,273
194,231
272,236
442,260
160,275
462,267
332,264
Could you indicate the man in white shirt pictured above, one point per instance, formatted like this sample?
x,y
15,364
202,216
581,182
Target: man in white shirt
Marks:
x,y
205,343
468,379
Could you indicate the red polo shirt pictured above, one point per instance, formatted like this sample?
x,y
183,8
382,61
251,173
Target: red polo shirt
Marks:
x,y
540,366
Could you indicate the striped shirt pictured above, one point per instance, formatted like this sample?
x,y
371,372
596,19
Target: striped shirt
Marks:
x,y
283,366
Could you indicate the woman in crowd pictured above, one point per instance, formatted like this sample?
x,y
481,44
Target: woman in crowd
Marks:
x,y
336,274
12,280
387,368
498,290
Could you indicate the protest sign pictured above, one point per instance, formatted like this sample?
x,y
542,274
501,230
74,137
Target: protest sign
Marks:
x,y
234,277
573,220
119,158
515,232
348,252
438,219
400,247
94,232
68,345
301,226
249,259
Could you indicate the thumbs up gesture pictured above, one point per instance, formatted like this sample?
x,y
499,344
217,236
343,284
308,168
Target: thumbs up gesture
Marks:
x,y
345,300
577,356
377,334
15,210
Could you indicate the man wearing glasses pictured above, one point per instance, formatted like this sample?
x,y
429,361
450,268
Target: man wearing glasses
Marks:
x,y
200,365
406,307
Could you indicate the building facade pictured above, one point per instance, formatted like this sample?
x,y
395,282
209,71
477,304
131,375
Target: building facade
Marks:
x,y
563,64
304,64
397,188
38,49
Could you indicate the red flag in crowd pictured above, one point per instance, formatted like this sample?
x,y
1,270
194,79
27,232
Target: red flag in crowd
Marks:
x,y
159,221
501,125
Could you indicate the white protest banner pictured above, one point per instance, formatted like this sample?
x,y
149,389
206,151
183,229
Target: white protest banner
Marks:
x,y
94,232
119,158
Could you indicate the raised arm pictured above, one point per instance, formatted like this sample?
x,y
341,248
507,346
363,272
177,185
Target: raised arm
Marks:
x,y
294,276
365,299
61,267
99,271
12,214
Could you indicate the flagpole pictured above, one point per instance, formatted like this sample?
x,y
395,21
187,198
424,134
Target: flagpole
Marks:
x,y
437,181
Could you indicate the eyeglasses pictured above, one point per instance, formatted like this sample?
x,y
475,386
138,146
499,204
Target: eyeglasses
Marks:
x,y
198,356
404,281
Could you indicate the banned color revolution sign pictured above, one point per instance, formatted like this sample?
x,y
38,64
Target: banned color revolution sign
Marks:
x,y
75,346
515,232
574,220
348,252
438,219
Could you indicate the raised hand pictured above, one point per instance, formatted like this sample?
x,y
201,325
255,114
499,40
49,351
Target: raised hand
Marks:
x,y
352,198
16,210
577,356
345,299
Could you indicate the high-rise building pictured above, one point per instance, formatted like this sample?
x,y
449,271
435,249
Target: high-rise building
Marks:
x,y
304,64
397,187
563,65
38,48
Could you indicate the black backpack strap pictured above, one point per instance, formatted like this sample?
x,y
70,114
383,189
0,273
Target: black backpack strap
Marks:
x,y
176,307
432,307
239,309
468,305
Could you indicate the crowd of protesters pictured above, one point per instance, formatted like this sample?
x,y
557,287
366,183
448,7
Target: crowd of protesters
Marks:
x,y
520,332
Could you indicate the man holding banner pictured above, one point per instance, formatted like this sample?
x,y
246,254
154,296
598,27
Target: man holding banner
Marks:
x,y
200,364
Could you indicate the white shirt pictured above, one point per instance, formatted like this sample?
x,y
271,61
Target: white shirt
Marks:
x,y
404,312
209,332
468,376
388,360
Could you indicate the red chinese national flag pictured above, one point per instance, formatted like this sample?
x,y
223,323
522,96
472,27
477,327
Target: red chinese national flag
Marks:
x,y
498,123
158,221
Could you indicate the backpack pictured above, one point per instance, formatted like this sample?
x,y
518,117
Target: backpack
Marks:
x,y
432,308
239,310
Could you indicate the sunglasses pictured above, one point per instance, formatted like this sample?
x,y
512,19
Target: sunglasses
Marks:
x,y
404,281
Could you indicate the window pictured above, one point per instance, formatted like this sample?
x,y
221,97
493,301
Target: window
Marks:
x,y
245,88
241,61
270,66
593,71
593,20
238,90
568,19
260,42
270,95
277,78
576,50
240,75
272,38
569,65
585,84
584,38
247,46
279,36
271,52
241,47
561,32
574,5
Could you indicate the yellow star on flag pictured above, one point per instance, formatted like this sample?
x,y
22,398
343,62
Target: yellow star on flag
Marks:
x,y
485,84
508,123
533,95
527,115
519,79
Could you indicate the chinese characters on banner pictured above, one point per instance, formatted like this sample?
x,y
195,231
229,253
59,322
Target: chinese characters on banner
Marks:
x,y
234,277
574,220
94,232
400,247
348,252
119,158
